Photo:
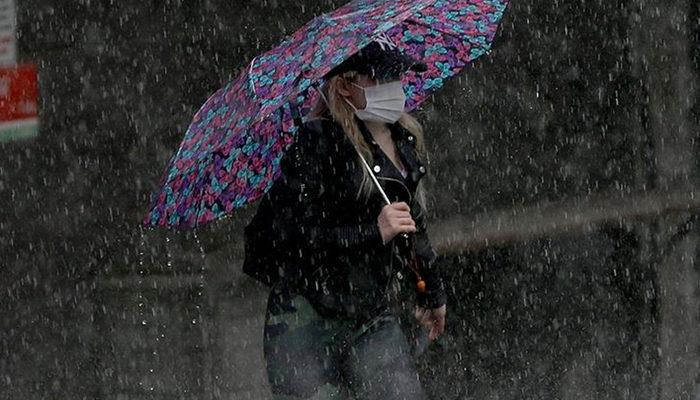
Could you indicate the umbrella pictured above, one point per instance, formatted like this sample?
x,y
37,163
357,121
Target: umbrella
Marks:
x,y
231,152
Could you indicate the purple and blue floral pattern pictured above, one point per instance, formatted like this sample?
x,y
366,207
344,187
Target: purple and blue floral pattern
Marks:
x,y
231,152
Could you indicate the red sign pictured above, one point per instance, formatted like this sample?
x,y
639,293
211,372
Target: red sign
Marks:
x,y
19,93
19,102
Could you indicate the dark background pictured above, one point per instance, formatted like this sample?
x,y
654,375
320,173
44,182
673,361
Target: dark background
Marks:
x,y
563,199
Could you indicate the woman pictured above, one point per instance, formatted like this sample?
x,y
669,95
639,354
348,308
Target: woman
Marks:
x,y
336,255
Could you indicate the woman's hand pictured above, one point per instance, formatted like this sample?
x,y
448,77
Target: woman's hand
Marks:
x,y
395,218
433,319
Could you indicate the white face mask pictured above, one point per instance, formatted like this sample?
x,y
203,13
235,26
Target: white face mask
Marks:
x,y
385,102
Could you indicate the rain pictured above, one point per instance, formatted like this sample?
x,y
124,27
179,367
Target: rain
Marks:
x,y
561,199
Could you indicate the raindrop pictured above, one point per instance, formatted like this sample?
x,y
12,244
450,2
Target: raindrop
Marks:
x,y
168,254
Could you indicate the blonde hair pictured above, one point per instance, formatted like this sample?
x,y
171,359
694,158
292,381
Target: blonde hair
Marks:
x,y
343,114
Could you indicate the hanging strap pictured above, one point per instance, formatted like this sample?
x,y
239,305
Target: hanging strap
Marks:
x,y
296,115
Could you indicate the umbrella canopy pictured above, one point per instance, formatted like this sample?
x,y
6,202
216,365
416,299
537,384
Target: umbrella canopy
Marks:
x,y
231,152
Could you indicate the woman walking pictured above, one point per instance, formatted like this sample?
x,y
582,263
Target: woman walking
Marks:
x,y
339,259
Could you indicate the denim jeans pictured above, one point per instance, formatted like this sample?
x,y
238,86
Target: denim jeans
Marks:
x,y
313,357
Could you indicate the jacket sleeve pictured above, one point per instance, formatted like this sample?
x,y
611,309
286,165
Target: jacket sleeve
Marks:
x,y
297,198
435,295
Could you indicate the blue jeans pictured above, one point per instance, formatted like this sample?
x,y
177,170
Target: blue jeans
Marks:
x,y
313,357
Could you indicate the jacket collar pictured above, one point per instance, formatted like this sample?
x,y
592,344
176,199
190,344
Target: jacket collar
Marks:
x,y
406,147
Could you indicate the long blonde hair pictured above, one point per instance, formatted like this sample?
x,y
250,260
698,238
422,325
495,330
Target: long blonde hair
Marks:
x,y
343,114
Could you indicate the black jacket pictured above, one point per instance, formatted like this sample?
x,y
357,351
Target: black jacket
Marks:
x,y
311,230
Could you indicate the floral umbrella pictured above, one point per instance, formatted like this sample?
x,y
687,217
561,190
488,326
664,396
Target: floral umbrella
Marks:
x,y
231,152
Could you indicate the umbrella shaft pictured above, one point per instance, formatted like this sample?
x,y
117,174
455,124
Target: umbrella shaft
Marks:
x,y
374,178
